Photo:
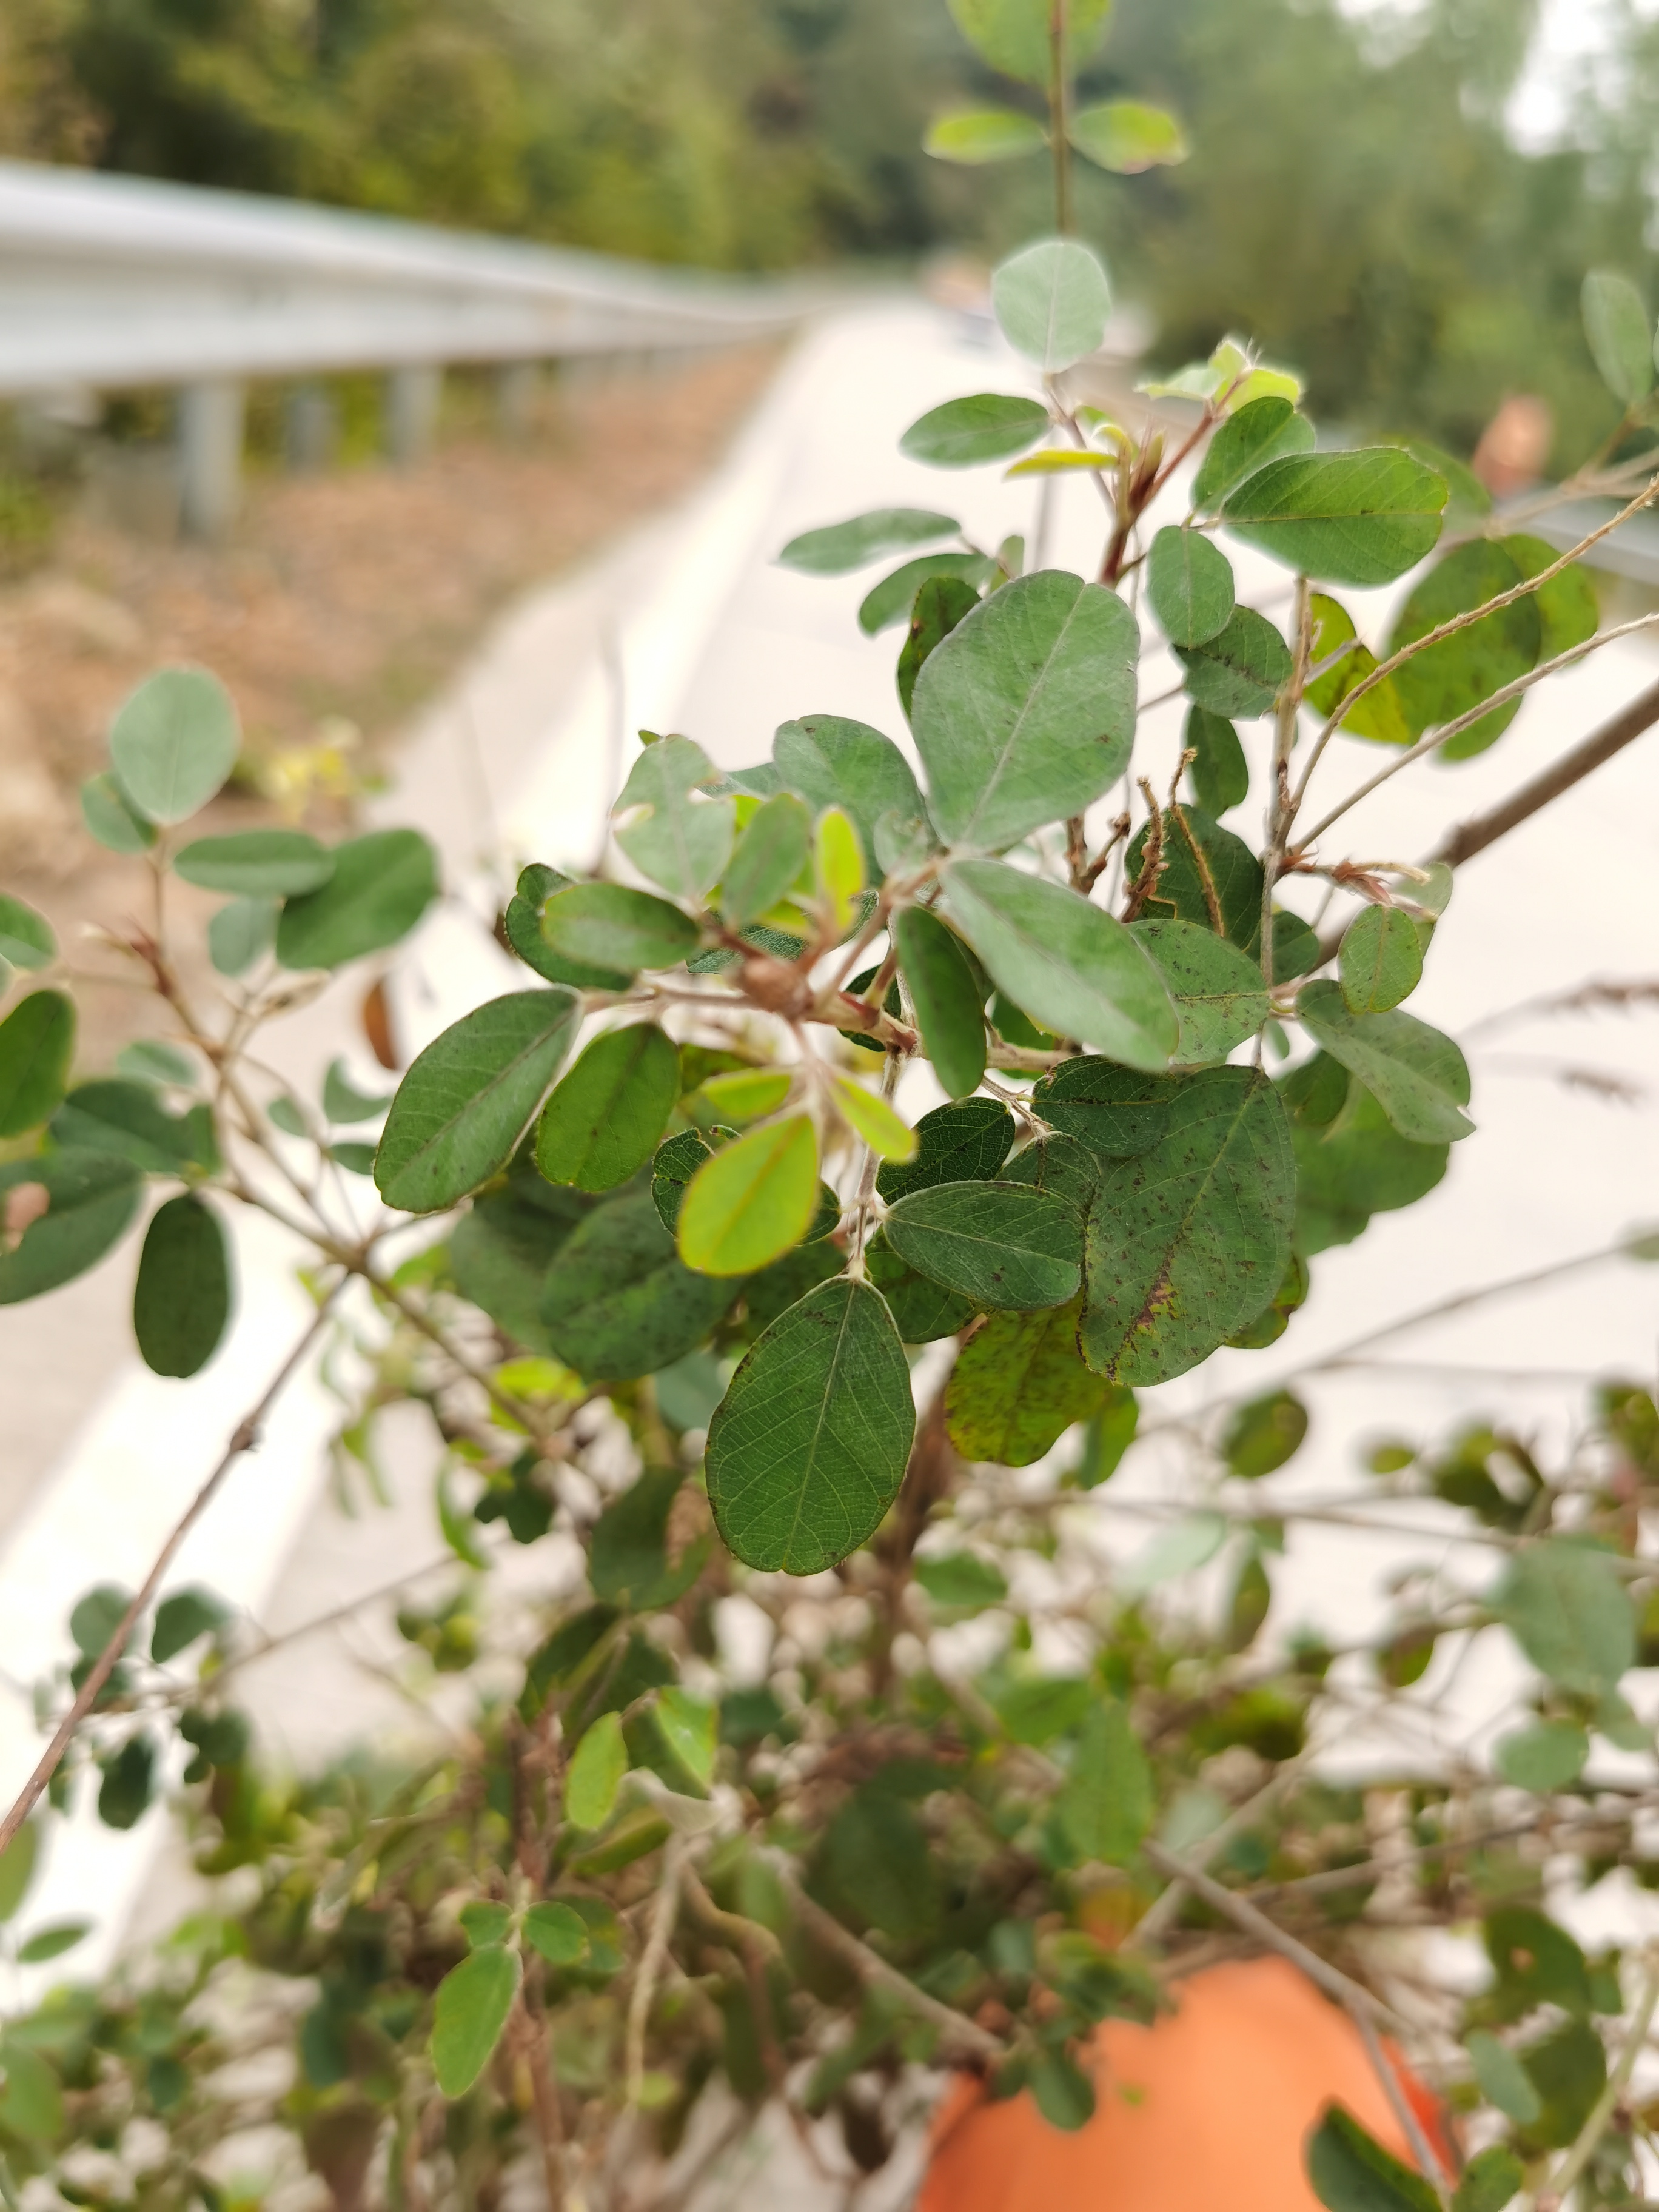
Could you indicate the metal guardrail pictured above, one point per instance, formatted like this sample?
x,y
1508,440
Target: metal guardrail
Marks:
x,y
108,283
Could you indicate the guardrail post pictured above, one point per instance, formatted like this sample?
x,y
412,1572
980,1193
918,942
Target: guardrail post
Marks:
x,y
209,457
311,428
517,383
413,395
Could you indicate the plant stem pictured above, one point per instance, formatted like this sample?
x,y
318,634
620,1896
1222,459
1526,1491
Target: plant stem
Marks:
x,y
1059,120
1473,837
1602,2111
663,1913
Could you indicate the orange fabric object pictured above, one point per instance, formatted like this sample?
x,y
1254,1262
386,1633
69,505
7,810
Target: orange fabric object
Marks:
x,y
1209,2107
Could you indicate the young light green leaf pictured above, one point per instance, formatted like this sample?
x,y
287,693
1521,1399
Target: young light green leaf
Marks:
x,y
1002,1244
808,1447
485,1923
1127,136
1240,670
112,817
1106,1803
832,761
1015,36
381,885
987,426
1066,962
752,1200
32,2102
1350,2172
1026,713
598,922
840,546
174,741
90,1199
947,1000
940,604
1620,334
468,2014
240,933
182,1301
1492,2178
966,1142
1262,430
837,867
773,852
975,135
1052,301
1417,1075
1567,1608
1018,1384
557,1933
1381,960
1448,680
1220,773
36,1040
595,1773
605,1115
26,937
690,1728
679,841
620,1302
262,864
894,598
1262,1434
1548,1756
1190,582
1189,1240
1360,518
1503,2080
1216,989
874,1120
458,1113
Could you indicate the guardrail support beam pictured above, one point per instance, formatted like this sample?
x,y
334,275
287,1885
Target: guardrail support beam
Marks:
x,y
311,428
211,418
413,396
517,386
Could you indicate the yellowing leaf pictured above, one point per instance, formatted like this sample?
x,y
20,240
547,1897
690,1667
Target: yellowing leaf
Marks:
x,y
596,1773
1057,460
745,1094
838,864
875,1122
751,1201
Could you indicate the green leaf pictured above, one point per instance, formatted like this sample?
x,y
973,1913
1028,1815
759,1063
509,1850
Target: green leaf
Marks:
x,y
1003,1245
940,604
182,1300
485,1924
1353,1165
1271,1323
1106,1437
987,426
691,1729
1381,960
1220,773
679,841
603,1121
501,1247
966,1142
381,885
809,1446
837,868
1066,962
32,2102
1567,1608
1190,582
1052,301
620,1302
1502,2079
1018,1384
922,1311
774,851
1111,1109
1014,35
182,1618
1380,715
36,1040
52,1942
112,817
595,1773
128,1119
174,741
91,1200
974,135
521,924
128,1782
752,1200
947,1000
1350,2172
1262,430
1026,713
677,1160
1567,607
744,1094
473,2002
343,1103
557,1933
17,1864
240,933
1060,1165
1536,1962
832,761
1491,2178
840,546
1035,1710
961,1581
262,864
1188,1240
458,1113
97,1617
1217,990
1450,679
26,937
1418,1076
1063,2092
1239,671
1127,136
1106,1805
1360,518
628,1561
1546,1757
593,922
1620,335
874,1120
1261,1436
894,598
